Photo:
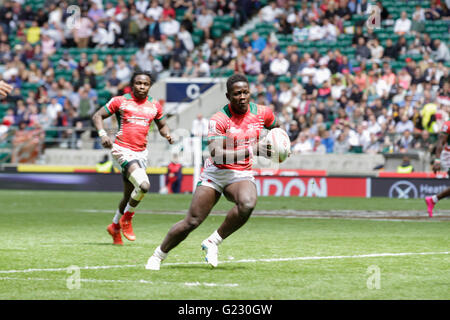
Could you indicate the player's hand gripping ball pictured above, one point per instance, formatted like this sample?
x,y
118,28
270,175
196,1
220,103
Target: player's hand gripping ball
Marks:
x,y
280,145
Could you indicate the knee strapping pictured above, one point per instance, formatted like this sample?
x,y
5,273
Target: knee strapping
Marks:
x,y
137,194
137,177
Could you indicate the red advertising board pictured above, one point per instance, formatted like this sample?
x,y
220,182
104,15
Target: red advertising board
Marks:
x,y
302,186
311,186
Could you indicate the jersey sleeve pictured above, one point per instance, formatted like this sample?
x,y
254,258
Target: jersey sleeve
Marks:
x,y
159,111
113,105
269,118
217,127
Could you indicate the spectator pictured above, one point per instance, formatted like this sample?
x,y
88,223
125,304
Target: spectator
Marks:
x,y
168,11
83,33
362,51
302,144
174,175
322,75
123,72
405,143
179,52
169,26
293,131
100,37
318,147
95,13
176,70
404,125
142,58
33,33
343,11
300,32
417,23
441,53
155,11
432,13
315,32
376,51
52,110
423,142
402,25
329,31
185,36
390,51
203,68
205,21
405,166
270,13
279,66
253,66
165,50
258,43
156,64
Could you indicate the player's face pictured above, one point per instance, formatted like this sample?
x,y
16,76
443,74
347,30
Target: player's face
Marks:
x,y
141,85
239,97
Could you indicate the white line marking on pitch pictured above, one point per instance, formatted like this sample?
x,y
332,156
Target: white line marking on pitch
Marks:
x,y
188,284
371,255
292,214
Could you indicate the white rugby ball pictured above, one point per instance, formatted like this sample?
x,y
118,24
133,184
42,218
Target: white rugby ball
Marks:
x,y
281,144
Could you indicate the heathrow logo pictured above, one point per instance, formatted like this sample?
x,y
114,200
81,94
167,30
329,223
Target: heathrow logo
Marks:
x,y
403,190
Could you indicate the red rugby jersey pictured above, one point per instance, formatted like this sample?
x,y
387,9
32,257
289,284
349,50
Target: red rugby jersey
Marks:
x,y
134,118
240,130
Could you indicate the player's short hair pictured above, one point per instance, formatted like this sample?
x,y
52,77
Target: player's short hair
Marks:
x,y
142,72
237,77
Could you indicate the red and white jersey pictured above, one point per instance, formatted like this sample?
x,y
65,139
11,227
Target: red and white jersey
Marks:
x,y
240,130
134,118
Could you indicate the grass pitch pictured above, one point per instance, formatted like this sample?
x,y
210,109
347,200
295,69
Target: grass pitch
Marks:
x,y
389,249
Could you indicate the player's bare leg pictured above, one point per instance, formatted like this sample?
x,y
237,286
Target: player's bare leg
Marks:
x,y
433,200
244,195
138,178
114,228
202,203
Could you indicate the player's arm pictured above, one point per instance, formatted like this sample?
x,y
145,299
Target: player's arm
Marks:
x,y
439,147
163,129
223,155
276,124
97,120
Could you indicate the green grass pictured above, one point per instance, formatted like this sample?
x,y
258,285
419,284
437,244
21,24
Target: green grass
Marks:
x,y
45,230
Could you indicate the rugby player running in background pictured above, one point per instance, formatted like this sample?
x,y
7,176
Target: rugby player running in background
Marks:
x,y
233,137
441,163
135,112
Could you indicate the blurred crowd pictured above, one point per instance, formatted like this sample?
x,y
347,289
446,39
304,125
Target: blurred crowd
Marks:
x,y
29,39
332,102
327,101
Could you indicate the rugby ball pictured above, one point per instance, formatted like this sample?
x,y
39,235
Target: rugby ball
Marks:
x,y
281,144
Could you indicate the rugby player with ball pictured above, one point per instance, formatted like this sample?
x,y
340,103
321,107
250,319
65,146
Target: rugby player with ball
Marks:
x,y
233,136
